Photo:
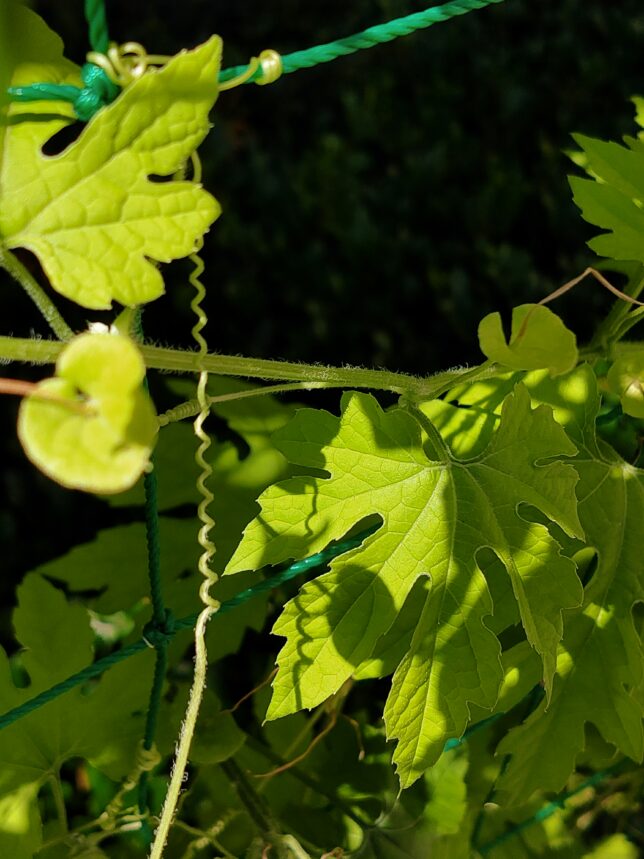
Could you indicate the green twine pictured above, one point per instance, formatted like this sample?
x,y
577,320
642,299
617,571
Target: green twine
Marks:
x,y
158,633
99,90
97,23
369,38
102,665
550,808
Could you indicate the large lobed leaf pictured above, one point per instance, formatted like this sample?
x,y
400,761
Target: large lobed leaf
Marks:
x,y
437,513
97,193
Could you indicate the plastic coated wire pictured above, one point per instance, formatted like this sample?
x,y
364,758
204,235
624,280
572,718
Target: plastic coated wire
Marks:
x,y
97,93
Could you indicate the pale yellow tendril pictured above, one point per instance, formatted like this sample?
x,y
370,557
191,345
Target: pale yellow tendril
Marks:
x,y
242,78
211,605
125,63
272,68
270,63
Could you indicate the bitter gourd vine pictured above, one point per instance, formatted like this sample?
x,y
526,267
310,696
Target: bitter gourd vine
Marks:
x,y
494,563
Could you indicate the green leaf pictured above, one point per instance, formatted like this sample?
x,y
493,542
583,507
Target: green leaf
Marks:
x,y
615,847
32,52
538,339
102,440
613,200
378,464
91,567
601,655
626,379
103,726
97,193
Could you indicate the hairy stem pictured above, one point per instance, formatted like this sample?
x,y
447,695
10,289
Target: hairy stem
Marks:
x,y
615,325
10,263
192,407
156,358
185,738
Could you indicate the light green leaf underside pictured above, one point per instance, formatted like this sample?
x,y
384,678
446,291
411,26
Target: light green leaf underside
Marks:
x,y
104,726
105,448
600,658
614,202
436,517
97,194
538,339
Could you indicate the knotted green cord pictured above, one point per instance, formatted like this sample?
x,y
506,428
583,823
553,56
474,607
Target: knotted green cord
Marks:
x,y
99,90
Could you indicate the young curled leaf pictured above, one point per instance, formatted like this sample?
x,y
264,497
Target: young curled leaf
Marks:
x,y
626,379
93,426
539,340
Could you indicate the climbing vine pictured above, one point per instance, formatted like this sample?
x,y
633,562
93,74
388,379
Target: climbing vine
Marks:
x,y
453,573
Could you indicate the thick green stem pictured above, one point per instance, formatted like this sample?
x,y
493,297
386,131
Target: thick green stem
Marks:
x,y
616,323
192,407
10,263
313,375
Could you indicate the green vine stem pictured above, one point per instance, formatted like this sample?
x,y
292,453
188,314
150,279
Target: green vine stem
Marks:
x,y
59,801
192,407
622,316
11,264
254,804
176,360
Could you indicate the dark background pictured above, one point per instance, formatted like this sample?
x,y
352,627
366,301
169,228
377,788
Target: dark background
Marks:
x,y
374,209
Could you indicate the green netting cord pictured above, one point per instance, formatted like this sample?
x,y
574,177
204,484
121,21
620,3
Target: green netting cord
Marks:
x,y
97,23
100,666
99,90
369,38
551,808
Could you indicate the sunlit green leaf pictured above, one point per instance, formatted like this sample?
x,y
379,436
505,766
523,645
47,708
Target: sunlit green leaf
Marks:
x,y
97,431
97,193
538,339
378,465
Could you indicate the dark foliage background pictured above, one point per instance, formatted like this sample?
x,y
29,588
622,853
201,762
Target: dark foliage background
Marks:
x,y
374,208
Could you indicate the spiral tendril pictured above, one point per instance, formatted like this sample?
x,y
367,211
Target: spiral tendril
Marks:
x,y
211,605
125,63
